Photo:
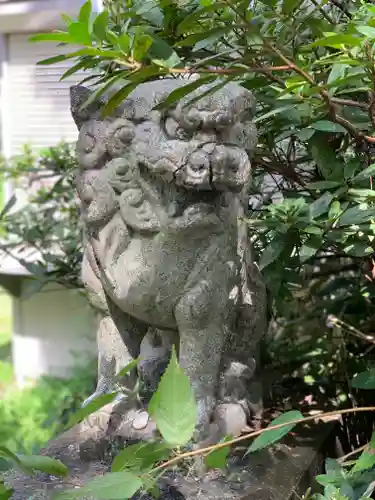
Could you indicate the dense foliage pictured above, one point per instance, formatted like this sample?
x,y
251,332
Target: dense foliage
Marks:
x,y
31,417
40,223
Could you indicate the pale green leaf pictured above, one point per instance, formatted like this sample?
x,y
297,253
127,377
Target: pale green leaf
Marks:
x,y
100,25
368,31
62,37
79,33
128,368
85,13
90,408
173,405
113,485
217,459
44,464
272,436
336,41
367,458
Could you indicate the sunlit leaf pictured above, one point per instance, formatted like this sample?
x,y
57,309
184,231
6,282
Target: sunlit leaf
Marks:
x,y
100,26
367,457
44,464
93,406
366,30
113,485
217,459
52,37
173,405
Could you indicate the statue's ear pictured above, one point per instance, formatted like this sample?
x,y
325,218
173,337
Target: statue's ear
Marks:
x,y
78,98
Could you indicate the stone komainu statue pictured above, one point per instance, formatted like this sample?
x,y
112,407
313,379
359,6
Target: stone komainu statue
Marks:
x,y
167,257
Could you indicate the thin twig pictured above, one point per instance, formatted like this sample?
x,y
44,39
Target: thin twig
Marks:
x,y
342,459
245,437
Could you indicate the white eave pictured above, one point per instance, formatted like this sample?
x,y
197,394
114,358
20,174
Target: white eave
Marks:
x,y
35,15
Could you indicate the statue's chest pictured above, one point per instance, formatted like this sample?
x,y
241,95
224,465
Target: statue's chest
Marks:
x,y
154,273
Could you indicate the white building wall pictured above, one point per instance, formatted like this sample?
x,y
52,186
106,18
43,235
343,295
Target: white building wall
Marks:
x,y
54,324
53,330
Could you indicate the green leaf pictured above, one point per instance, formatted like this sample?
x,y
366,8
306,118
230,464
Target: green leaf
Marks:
x,y
356,215
273,112
44,464
367,458
327,126
79,34
329,165
113,485
141,46
310,248
368,31
135,79
335,41
5,493
337,72
14,460
272,436
124,43
100,26
163,54
321,205
362,193
181,92
214,33
271,253
322,185
140,457
217,459
90,408
290,5
173,405
85,13
151,13
190,21
364,380
76,67
365,174
52,37
128,368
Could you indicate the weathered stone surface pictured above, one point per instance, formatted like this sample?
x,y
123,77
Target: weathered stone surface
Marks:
x,y
167,256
